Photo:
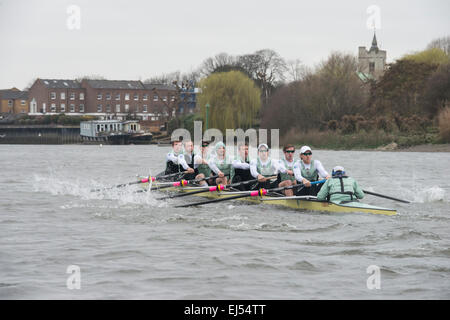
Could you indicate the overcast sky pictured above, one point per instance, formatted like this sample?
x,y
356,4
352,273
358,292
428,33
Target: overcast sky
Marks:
x,y
134,39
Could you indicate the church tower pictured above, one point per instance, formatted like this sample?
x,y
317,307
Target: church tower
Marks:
x,y
372,63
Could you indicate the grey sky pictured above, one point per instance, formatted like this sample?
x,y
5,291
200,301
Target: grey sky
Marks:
x,y
136,39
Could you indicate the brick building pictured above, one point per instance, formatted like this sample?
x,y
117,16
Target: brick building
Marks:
x,y
108,99
122,98
13,101
57,96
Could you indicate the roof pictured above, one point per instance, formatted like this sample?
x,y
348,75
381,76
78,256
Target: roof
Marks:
x,y
115,84
374,43
157,86
364,76
61,84
13,95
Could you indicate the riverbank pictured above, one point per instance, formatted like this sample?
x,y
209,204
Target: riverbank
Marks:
x,y
426,148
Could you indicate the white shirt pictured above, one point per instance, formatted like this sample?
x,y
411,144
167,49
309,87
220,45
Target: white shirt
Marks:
x,y
177,159
317,164
240,164
276,168
197,159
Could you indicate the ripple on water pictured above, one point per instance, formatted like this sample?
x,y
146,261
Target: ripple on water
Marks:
x,y
304,266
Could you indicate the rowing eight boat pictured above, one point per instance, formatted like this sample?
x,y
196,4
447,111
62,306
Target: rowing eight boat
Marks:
x,y
295,202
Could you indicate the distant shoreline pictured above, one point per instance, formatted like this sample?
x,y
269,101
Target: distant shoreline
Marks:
x,y
426,148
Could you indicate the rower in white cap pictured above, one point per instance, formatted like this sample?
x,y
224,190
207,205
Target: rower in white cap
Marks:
x,y
340,188
307,170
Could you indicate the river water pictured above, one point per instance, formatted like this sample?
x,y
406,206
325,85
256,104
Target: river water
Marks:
x,y
55,234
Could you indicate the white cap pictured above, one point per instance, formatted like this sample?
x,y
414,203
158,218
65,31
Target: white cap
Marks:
x,y
263,145
304,149
338,168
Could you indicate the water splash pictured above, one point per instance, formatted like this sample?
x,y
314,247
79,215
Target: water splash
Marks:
x,y
432,194
125,196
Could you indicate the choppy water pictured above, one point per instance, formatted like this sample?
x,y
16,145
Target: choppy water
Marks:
x,y
131,246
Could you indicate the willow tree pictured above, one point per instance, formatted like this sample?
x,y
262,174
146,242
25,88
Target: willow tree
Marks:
x,y
233,98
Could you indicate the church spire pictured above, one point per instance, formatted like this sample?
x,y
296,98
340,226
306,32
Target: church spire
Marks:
x,y
374,42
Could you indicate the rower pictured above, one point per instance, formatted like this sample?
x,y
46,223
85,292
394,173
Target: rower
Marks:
x,y
264,167
191,159
175,161
220,164
287,163
307,170
241,165
340,188
202,166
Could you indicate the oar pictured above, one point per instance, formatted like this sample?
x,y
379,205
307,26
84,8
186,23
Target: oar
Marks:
x,y
254,193
384,196
158,177
182,183
208,189
143,180
214,188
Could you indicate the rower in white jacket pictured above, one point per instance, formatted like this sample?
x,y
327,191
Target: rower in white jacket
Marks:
x,y
307,170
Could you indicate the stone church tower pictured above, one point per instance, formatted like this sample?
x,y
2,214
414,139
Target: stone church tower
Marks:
x,y
371,64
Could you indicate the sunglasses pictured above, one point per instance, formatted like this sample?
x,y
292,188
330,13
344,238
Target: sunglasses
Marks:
x,y
263,150
290,151
307,154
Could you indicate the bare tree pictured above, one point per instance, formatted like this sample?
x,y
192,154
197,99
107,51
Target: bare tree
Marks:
x,y
441,43
211,65
296,70
271,70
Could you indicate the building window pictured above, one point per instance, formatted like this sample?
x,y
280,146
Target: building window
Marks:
x,y
72,96
10,103
23,102
81,107
99,96
127,96
173,98
72,107
63,107
53,107
136,97
81,96
63,96
371,66
118,96
108,108
155,98
165,98
145,97
108,96
127,107
53,95
117,107
99,108
144,107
